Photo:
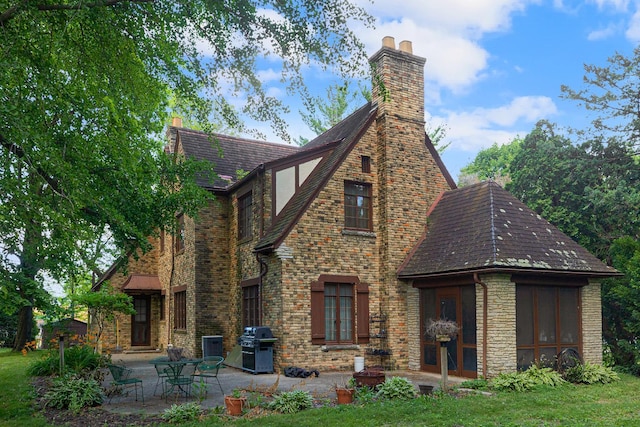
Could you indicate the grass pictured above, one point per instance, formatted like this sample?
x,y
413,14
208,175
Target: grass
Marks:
x,y
616,404
16,393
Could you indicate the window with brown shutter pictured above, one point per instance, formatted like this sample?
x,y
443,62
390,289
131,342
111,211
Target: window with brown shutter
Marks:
x,y
339,310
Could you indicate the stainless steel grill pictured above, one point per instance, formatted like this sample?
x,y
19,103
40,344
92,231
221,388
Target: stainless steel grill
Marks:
x,y
257,349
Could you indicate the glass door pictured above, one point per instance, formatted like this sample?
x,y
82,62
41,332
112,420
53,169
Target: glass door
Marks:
x,y
456,304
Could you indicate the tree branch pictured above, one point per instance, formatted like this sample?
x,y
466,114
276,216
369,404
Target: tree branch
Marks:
x,y
81,5
13,10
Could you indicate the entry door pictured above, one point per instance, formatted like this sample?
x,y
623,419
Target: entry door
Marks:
x,y
141,321
457,304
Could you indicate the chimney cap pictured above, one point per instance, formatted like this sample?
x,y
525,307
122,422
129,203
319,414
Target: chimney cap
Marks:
x,y
389,41
176,122
406,46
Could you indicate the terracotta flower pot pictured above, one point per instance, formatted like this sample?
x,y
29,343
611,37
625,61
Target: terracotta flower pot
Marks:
x,y
234,404
345,395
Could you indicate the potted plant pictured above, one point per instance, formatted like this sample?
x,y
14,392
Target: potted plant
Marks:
x,y
441,330
345,391
234,402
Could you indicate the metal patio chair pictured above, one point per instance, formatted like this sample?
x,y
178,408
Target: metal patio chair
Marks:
x,y
122,379
162,376
180,378
209,369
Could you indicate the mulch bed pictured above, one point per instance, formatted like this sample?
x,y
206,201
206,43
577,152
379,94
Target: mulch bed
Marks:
x,y
88,416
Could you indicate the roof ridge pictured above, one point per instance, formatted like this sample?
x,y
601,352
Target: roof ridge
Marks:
x,y
238,138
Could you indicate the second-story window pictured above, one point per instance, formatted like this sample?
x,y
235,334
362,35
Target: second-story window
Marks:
x,y
245,229
357,205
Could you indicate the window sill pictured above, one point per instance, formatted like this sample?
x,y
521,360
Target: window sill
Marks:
x,y
360,233
180,331
338,347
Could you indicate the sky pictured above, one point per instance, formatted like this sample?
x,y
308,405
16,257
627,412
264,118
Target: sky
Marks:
x,y
495,67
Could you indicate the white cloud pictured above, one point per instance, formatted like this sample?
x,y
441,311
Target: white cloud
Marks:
x,y
633,30
603,33
481,127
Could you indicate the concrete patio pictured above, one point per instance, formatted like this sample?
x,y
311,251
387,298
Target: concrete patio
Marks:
x,y
230,379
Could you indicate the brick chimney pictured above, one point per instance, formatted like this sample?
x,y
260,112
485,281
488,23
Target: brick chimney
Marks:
x,y
398,84
409,178
172,133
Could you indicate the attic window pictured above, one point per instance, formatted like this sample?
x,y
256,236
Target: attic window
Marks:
x,y
366,164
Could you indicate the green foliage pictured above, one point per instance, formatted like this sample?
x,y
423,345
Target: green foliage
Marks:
x,y
512,381
290,402
182,413
364,395
8,328
590,373
103,305
475,384
396,388
492,163
81,359
84,96
73,393
544,376
327,111
526,380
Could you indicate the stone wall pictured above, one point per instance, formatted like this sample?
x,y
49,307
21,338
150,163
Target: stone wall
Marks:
x,y
591,322
501,324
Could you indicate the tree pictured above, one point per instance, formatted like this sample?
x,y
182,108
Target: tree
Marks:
x,y
613,92
103,305
589,191
492,163
437,135
324,113
84,93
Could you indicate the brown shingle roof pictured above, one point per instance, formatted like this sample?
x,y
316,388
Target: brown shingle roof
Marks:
x,y
483,227
228,154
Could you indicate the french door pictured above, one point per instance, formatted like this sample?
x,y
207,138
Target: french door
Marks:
x,y
458,304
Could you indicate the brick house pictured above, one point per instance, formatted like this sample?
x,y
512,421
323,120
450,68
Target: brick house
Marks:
x,y
347,246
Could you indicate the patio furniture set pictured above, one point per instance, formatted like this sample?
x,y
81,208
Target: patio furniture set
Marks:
x,y
174,376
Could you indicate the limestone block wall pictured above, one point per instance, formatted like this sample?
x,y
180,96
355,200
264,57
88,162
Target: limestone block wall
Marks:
x,y
591,311
413,328
501,324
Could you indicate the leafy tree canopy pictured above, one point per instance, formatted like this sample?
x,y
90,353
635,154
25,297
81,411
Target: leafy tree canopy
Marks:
x,y
85,89
492,163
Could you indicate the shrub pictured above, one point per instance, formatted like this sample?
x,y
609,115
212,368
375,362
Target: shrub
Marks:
x,y
364,395
80,359
182,413
523,381
512,381
544,376
590,374
290,402
475,384
73,393
396,388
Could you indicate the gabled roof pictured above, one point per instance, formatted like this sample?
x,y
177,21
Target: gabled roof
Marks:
x,y
343,136
483,227
229,154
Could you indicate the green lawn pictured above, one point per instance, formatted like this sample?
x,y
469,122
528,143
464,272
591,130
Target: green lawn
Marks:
x,y
616,404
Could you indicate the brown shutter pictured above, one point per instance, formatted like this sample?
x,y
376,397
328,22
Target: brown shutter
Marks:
x,y
362,290
317,312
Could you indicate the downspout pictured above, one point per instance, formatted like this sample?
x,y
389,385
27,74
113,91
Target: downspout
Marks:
x,y
264,269
485,311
